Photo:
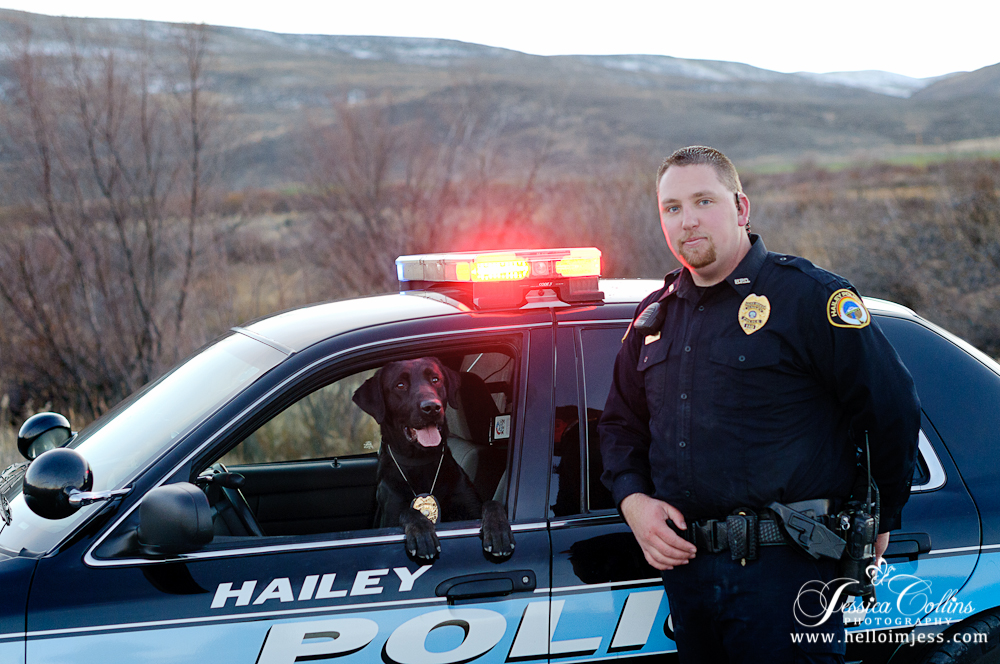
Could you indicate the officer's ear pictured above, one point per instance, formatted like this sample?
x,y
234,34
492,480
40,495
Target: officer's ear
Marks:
x,y
742,210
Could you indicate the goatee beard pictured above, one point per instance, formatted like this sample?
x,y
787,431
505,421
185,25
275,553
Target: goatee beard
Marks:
x,y
700,257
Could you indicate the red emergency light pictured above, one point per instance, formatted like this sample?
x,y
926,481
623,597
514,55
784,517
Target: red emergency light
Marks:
x,y
500,279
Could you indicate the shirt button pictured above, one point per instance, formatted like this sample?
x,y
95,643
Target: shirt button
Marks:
x,y
684,396
687,349
687,494
682,444
743,358
701,308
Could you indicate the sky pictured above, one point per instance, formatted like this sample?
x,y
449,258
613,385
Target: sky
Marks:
x,y
905,37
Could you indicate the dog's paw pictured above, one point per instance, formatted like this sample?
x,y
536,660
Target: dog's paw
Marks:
x,y
421,541
498,540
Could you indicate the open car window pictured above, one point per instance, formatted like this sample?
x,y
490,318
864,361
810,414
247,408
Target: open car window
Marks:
x,y
312,468
323,424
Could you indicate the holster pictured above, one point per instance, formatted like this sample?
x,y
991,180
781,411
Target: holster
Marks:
x,y
806,529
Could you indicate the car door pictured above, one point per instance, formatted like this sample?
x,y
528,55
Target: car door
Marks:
x,y
320,582
606,600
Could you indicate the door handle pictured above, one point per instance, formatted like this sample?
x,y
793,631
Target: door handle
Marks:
x,y
490,584
909,545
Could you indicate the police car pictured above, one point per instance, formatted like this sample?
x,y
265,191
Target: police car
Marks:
x,y
224,512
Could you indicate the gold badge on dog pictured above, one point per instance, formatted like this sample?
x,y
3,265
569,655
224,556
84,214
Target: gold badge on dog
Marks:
x,y
754,312
427,505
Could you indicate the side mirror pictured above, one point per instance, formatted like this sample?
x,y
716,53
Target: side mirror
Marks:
x,y
51,478
58,483
42,432
174,518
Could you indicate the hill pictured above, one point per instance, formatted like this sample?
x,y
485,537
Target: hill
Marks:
x,y
277,89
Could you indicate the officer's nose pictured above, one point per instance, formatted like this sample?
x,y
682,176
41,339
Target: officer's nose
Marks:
x,y
689,219
430,407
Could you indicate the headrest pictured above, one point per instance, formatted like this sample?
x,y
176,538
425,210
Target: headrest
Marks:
x,y
473,419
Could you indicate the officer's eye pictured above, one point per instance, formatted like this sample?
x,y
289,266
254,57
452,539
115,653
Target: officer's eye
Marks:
x,y
672,209
705,201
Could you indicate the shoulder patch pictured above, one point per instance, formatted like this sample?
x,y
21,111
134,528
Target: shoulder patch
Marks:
x,y
845,309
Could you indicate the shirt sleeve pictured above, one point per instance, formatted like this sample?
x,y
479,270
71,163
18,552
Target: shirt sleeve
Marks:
x,y
624,426
878,395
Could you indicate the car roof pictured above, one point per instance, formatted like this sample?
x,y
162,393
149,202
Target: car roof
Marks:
x,y
299,328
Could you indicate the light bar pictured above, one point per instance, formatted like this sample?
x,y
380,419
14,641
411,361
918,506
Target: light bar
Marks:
x,y
510,266
503,278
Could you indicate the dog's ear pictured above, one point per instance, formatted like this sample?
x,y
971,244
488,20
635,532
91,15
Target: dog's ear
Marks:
x,y
369,397
453,380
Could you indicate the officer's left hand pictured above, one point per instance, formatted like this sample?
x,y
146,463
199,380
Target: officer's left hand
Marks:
x,y
881,544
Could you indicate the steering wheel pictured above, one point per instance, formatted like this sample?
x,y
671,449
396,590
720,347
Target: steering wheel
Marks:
x,y
235,498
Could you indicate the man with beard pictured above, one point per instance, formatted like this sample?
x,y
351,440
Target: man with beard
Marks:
x,y
760,380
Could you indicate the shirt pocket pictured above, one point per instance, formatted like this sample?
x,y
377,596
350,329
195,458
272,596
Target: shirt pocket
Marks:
x,y
744,370
653,367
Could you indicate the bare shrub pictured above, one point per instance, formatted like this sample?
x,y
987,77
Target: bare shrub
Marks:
x,y
384,186
615,209
99,242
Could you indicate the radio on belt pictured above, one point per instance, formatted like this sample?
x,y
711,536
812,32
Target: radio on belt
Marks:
x,y
505,279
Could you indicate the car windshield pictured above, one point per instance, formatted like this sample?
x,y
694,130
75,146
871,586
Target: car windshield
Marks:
x,y
128,439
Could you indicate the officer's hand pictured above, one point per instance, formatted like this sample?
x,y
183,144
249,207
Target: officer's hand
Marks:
x,y
647,517
881,544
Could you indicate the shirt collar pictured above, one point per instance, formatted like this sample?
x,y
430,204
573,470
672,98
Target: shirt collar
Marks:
x,y
741,279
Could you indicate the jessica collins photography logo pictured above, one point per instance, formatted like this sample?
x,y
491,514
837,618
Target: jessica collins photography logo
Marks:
x,y
901,599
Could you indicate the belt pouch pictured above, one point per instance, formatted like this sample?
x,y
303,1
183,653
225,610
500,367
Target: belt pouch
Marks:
x,y
742,530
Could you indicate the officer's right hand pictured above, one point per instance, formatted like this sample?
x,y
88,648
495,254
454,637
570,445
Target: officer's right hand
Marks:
x,y
647,517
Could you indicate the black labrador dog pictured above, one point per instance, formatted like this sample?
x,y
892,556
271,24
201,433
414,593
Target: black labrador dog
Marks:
x,y
419,481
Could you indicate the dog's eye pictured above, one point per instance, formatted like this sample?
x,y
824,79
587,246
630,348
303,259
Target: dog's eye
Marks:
x,y
400,385
435,379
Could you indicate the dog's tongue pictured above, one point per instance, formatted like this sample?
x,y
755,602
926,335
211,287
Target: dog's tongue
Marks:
x,y
428,436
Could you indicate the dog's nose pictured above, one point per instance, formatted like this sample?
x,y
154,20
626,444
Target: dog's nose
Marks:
x,y
430,407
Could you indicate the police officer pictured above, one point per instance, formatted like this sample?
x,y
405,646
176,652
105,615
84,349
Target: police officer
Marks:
x,y
761,384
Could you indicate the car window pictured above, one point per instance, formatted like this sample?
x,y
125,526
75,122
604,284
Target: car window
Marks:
x,y
565,487
585,360
323,424
313,467
600,348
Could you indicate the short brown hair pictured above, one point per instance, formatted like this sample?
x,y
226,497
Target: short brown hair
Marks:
x,y
699,154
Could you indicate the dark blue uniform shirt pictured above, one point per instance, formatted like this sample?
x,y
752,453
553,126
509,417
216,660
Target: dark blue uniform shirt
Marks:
x,y
757,389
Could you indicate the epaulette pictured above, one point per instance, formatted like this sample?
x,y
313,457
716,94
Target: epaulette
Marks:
x,y
805,266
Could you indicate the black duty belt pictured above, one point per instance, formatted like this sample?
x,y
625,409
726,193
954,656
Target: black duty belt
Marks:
x,y
744,532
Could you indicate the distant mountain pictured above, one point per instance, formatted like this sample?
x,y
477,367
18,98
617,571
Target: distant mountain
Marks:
x,y
882,82
588,108
983,82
